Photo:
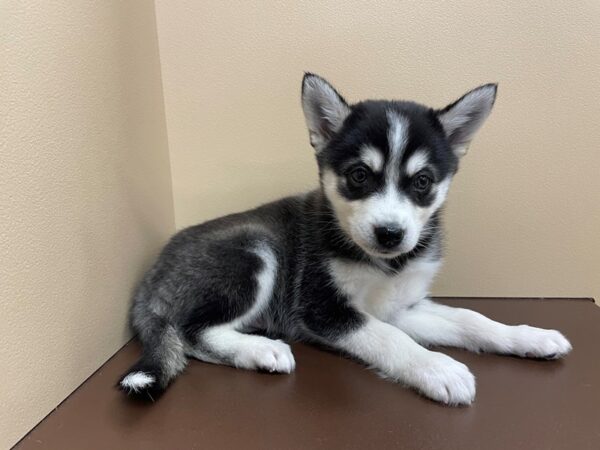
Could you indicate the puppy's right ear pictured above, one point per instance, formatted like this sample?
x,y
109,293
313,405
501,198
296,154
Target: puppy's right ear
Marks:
x,y
324,109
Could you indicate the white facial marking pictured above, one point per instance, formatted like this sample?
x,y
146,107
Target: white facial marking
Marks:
x,y
417,161
388,206
397,140
372,157
359,217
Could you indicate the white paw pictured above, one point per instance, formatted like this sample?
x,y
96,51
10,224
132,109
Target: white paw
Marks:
x,y
442,379
269,355
531,342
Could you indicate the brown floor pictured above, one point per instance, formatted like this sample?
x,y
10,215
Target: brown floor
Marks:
x,y
331,402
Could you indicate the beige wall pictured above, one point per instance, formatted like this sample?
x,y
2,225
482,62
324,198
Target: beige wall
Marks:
x,y
524,214
85,192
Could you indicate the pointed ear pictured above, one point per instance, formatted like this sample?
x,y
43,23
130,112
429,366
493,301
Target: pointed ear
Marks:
x,y
464,117
324,109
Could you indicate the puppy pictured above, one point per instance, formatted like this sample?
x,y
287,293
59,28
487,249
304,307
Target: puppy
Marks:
x,y
347,266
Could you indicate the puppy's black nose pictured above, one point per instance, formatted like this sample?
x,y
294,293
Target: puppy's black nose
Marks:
x,y
389,236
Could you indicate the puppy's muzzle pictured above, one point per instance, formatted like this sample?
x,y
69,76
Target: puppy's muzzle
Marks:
x,y
389,236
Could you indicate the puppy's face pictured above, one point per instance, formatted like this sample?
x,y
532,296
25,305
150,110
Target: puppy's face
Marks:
x,y
386,166
385,173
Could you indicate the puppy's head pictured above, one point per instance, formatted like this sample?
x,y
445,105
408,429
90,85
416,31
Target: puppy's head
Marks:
x,y
386,166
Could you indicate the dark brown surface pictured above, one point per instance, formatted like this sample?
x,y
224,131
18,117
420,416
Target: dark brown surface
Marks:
x,y
331,402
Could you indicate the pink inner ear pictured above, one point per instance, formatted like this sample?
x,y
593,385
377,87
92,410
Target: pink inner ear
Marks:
x,y
463,118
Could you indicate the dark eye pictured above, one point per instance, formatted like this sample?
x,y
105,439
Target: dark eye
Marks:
x,y
358,176
422,182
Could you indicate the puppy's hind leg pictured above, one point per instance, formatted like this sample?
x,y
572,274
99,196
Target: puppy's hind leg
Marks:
x,y
226,344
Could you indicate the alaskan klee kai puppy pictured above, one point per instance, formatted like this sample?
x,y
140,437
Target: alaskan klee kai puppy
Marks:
x,y
347,266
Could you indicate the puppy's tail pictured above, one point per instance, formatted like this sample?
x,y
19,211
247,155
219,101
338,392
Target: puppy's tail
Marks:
x,y
163,358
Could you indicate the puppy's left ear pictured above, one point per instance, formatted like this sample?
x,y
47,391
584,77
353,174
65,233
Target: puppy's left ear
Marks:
x,y
324,110
464,117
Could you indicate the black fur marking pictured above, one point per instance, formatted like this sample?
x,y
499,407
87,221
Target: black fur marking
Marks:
x,y
368,124
326,314
221,299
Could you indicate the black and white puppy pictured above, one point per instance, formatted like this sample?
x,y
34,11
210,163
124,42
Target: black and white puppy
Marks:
x,y
347,266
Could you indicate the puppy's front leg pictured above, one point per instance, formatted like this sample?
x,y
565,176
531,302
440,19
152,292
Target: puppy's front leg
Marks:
x,y
395,355
433,324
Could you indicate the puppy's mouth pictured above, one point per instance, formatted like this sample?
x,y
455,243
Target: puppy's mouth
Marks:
x,y
375,250
379,252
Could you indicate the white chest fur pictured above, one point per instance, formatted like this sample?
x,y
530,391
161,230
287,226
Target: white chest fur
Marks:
x,y
372,291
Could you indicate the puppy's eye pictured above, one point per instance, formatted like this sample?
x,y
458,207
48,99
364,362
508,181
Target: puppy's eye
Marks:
x,y
359,176
422,182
